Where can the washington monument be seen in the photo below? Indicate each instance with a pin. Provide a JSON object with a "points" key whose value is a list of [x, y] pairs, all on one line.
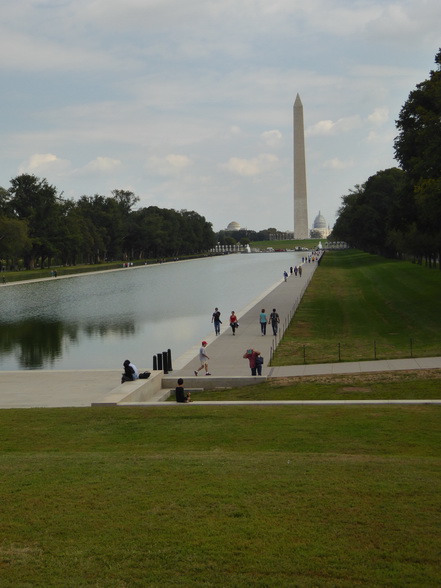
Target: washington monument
{"points": [[300, 198]]}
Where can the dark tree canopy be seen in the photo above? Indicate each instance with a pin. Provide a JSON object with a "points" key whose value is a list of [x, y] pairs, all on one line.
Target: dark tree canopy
{"points": [[418, 145], [39, 226]]}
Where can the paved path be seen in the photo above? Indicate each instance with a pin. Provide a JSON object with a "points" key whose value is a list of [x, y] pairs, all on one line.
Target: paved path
{"points": [[226, 351]]}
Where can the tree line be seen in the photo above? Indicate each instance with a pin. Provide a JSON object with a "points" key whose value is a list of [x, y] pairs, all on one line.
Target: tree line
{"points": [[397, 212], [38, 227]]}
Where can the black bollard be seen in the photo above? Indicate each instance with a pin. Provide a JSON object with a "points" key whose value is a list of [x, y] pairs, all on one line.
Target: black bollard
{"points": [[155, 363], [165, 362], [169, 360], [159, 361]]}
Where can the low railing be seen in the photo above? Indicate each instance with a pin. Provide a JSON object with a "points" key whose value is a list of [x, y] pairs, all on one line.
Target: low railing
{"points": [[363, 350], [285, 322]]}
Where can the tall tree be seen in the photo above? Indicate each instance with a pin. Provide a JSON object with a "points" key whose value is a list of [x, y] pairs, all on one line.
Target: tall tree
{"points": [[37, 202], [369, 214], [418, 150], [14, 240]]}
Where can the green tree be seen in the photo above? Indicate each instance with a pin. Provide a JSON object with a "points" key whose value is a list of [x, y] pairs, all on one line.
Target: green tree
{"points": [[369, 214], [418, 150], [418, 145], [37, 202], [4, 201], [14, 240]]}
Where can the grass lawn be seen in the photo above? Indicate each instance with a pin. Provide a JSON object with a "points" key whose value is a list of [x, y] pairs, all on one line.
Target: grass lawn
{"points": [[287, 244], [220, 496], [361, 307], [405, 385]]}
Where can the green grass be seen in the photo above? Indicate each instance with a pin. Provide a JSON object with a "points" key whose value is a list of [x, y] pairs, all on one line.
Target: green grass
{"points": [[421, 384], [217, 496], [287, 243], [361, 307]]}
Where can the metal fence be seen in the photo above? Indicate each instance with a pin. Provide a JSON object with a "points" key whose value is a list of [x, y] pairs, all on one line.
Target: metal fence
{"points": [[353, 350], [360, 350], [285, 322]]}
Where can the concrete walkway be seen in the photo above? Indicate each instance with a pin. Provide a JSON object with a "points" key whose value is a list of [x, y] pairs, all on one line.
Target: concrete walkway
{"points": [[51, 388], [226, 351]]}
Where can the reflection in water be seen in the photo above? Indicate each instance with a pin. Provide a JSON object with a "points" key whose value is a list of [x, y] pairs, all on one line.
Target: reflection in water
{"points": [[96, 321], [37, 343], [34, 342]]}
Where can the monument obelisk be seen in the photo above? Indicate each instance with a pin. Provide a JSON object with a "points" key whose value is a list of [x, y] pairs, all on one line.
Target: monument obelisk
{"points": [[300, 197]]}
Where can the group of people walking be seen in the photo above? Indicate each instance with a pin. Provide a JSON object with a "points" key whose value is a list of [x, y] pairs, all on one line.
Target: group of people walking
{"points": [[273, 320], [254, 357]]}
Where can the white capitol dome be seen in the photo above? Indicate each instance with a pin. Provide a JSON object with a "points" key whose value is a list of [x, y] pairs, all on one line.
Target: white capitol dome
{"points": [[319, 222], [320, 228], [233, 226]]}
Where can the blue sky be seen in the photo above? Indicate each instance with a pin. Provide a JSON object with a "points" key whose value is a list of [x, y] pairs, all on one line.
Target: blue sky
{"points": [[189, 104]]}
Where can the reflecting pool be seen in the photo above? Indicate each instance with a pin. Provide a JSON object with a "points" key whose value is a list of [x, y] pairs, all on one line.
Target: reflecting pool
{"points": [[97, 320]]}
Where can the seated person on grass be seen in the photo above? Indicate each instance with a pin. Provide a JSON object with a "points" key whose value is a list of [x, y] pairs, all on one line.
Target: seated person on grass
{"points": [[181, 395]]}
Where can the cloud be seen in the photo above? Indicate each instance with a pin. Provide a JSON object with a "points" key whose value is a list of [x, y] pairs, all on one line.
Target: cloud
{"points": [[272, 138], [39, 54], [385, 138], [337, 164], [170, 165], [252, 167], [406, 22], [102, 165], [42, 163], [379, 116], [329, 127], [234, 131]]}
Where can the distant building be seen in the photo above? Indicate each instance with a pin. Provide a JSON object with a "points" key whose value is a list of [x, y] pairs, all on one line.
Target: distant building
{"points": [[233, 226], [281, 236], [320, 229]]}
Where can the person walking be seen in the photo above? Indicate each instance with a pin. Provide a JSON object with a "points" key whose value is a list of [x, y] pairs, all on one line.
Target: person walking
{"points": [[233, 322], [285, 275], [263, 322], [256, 361], [216, 320], [203, 358], [274, 320]]}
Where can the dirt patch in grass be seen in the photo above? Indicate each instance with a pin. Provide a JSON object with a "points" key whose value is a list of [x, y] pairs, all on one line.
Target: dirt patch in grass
{"points": [[354, 389]]}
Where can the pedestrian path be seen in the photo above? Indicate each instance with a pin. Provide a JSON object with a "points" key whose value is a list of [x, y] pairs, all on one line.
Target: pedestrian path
{"points": [[226, 351]]}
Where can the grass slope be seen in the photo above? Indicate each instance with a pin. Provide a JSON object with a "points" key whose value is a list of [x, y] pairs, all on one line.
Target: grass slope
{"points": [[361, 307], [215, 496], [420, 384]]}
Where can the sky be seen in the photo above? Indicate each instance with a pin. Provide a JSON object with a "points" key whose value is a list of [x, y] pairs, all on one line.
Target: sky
{"points": [[189, 105]]}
